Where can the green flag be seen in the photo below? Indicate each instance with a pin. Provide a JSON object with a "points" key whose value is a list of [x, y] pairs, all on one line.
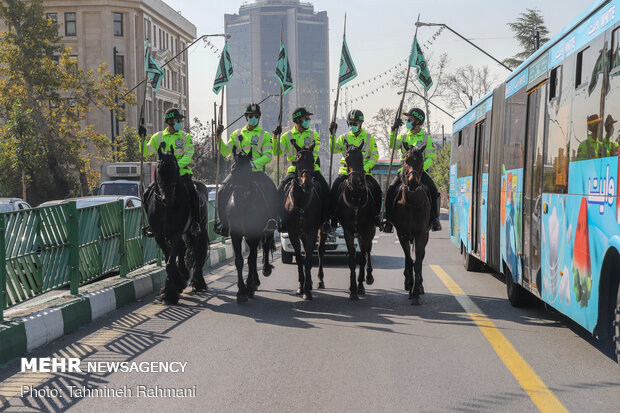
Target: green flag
{"points": [[154, 72], [283, 71], [417, 60], [224, 71], [347, 68]]}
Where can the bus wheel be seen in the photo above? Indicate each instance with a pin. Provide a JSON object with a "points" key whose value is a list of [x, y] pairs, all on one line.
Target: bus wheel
{"points": [[517, 295], [471, 263]]}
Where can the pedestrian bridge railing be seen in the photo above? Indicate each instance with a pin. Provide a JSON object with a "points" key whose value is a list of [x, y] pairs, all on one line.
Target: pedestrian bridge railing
{"points": [[51, 247]]}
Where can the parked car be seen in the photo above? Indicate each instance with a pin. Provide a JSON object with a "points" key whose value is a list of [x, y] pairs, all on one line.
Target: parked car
{"points": [[335, 244], [13, 204], [87, 201]]}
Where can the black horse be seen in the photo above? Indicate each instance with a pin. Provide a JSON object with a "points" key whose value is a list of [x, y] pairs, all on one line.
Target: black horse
{"points": [[247, 211], [303, 217], [168, 214], [355, 210], [411, 217]]}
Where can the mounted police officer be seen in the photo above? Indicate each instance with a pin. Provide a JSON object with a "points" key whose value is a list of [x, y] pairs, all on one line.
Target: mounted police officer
{"points": [[415, 135], [303, 136], [355, 136], [251, 138], [175, 138], [590, 147]]}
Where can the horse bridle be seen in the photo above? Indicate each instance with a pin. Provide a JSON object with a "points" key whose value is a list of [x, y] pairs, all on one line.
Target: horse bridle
{"points": [[349, 185]]}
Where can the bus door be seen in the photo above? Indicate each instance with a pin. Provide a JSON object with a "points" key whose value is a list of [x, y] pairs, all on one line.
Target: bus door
{"points": [[532, 184], [476, 192]]}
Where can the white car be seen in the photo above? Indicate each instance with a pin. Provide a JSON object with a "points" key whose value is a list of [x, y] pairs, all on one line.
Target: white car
{"points": [[335, 244], [13, 204], [86, 201]]}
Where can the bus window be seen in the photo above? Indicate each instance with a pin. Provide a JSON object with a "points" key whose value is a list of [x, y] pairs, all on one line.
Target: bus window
{"points": [[556, 156], [555, 82], [615, 50], [514, 130], [579, 68]]}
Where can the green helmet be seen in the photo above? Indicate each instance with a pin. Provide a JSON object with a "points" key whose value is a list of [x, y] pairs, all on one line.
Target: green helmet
{"points": [[355, 115], [416, 113]]}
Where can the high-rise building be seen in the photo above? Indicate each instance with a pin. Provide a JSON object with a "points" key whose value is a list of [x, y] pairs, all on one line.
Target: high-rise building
{"points": [[96, 29], [254, 46]]}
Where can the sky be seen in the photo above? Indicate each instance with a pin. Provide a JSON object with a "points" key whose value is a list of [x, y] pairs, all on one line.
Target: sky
{"points": [[379, 36]]}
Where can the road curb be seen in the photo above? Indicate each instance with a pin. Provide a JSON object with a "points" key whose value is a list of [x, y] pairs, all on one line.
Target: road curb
{"points": [[24, 334]]}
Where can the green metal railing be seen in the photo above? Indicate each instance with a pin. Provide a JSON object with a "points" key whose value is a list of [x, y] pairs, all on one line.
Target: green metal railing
{"points": [[42, 249]]}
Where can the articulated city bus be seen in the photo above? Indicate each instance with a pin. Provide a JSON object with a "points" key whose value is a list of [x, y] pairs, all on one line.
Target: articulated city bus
{"points": [[534, 175]]}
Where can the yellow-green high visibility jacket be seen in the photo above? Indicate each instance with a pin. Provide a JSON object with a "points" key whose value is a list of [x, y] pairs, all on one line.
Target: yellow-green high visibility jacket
{"points": [[412, 140], [304, 138], [588, 149], [180, 141], [257, 140], [609, 148], [370, 150]]}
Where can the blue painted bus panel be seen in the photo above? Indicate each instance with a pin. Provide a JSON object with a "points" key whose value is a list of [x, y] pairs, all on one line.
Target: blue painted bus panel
{"points": [[454, 207], [511, 221], [585, 33], [577, 232], [483, 217]]}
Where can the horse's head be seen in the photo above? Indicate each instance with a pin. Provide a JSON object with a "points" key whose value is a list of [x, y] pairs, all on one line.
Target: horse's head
{"points": [[413, 165], [242, 162], [304, 166], [354, 159], [167, 172]]}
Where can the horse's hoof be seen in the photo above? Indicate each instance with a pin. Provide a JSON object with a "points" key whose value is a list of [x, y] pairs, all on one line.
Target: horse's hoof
{"points": [[299, 292], [267, 270], [353, 297], [251, 293], [370, 279], [408, 285], [416, 300], [421, 289], [242, 299], [168, 299], [321, 285], [307, 296], [410, 295], [361, 290], [200, 289]]}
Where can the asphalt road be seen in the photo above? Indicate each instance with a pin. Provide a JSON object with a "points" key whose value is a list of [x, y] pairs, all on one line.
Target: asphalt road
{"points": [[464, 349]]}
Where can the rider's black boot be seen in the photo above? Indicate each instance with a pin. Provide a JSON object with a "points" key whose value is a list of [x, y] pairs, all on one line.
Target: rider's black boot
{"points": [[435, 224]]}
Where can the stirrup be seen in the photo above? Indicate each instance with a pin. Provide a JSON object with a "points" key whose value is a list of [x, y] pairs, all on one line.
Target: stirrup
{"points": [[195, 228], [220, 229], [146, 232], [327, 227]]}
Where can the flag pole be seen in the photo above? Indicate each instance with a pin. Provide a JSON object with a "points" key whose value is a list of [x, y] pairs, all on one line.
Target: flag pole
{"points": [[332, 137], [399, 112], [142, 133], [217, 153], [276, 143]]}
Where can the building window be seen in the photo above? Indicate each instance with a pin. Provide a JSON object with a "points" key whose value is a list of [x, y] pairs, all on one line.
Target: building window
{"points": [[70, 26], [52, 16], [118, 24], [119, 65]]}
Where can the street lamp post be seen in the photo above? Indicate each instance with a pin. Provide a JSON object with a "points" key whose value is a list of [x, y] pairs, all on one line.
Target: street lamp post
{"points": [[419, 24]]}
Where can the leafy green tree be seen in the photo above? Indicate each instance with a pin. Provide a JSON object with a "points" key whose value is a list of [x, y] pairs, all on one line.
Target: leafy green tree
{"points": [[525, 28], [128, 145], [44, 102]]}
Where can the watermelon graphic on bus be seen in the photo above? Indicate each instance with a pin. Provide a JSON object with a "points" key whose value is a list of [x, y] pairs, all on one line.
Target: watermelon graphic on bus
{"points": [[582, 269]]}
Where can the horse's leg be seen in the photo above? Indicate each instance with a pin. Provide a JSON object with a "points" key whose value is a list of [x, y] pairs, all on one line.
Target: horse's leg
{"points": [[420, 246], [163, 245], [183, 270], [252, 272], [267, 245], [404, 243], [199, 248], [350, 240], [242, 295], [322, 240], [363, 240], [171, 291], [369, 278], [309, 247], [299, 260]]}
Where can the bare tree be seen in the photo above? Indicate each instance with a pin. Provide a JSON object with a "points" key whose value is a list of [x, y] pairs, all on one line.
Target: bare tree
{"points": [[380, 126], [416, 94], [467, 85]]}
